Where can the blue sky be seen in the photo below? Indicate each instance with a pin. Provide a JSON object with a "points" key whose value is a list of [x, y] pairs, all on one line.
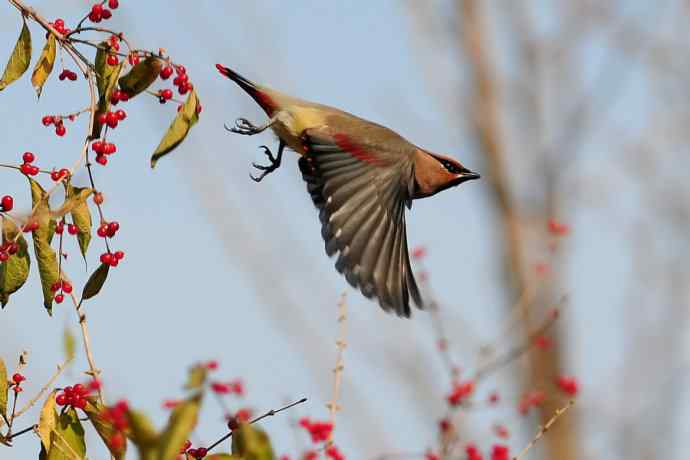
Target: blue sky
{"points": [[218, 267]]}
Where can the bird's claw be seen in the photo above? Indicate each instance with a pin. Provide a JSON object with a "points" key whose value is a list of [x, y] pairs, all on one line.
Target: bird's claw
{"points": [[265, 169], [244, 126]]}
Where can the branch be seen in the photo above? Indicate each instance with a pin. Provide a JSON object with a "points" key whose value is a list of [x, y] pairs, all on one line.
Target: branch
{"points": [[45, 388], [542, 431], [340, 344]]}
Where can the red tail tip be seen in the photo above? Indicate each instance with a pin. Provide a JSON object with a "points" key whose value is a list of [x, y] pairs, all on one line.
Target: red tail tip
{"points": [[223, 70]]}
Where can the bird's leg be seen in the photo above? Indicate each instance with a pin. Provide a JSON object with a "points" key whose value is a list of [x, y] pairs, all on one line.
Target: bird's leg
{"points": [[275, 162], [246, 127]]}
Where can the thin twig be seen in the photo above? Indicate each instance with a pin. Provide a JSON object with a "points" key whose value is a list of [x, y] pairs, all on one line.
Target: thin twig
{"points": [[21, 432], [340, 344], [270, 413], [45, 388], [542, 430]]}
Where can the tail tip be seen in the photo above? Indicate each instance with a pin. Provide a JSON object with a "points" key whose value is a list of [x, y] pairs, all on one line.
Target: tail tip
{"points": [[223, 70]]}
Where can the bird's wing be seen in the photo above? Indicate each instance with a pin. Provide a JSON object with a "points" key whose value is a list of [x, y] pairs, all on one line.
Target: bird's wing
{"points": [[361, 194]]}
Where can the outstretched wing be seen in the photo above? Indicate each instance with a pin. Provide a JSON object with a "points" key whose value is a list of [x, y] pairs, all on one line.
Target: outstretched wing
{"points": [[361, 193]]}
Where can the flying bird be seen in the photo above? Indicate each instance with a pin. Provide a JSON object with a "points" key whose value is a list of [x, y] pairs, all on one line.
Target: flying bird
{"points": [[360, 176]]}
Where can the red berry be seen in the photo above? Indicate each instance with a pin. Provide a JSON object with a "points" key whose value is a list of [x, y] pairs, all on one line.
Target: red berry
{"points": [[101, 160], [166, 72], [18, 378], [113, 227], [61, 399], [106, 13], [55, 175], [72, 76], [47, 120], [106, 258], [119, 255], [4, 257], [59, 227], [111, 119], [72, 229], [7, 203], [33, 170], [102, 118], [97, 8], [133, 59], [113, 4], [60, 130], [121, 114], [180, 69], [59, 298], [167, 94], [109, 148], [13, 248], [199, 108], [98, 198], [102, 230], [80, 403], [62, 75], [55, 286], [59, 23], [112, 59], [28, 157], [182, 89], [201, 452]]}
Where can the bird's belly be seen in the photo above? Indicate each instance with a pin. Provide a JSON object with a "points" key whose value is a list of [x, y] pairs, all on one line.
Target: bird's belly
{"points": [[291, 124]]}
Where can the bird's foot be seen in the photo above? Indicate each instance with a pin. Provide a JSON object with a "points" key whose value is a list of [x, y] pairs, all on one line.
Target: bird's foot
{"points": [[245, 127], [267, 169]]}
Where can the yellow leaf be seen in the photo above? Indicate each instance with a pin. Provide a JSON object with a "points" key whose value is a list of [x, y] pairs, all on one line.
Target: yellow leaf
{"points": [[45, 255], [251, 443], [3, 388], [47, 420], [141, 76], [180, 424], [15, 271], [106, 79], [19, 59], [44, 65], [186, 117]]}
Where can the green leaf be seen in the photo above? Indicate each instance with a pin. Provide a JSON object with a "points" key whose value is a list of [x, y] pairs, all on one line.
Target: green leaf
{"points": [[45, 255], [47, 421], [142, 432], [15, 271], [186, 117], [44, 65], [141, 76], [105, 429], [95, 283], [106, 79], [196, 377], [181, 423], [81, 215], [19, 59], [67, 439], [69, 344], [251, 443], [4, 388]]}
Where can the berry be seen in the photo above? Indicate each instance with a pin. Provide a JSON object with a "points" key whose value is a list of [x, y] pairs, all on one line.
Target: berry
{"points": [[18, 378], [167, 94], [166, 72], [59, 298], [106, 258], [4, 256], [60, 130], [106, 14], [101, 160], [7, 203], [28, 157], [97, 146], [199, 108], [72, 229], [61, 399], [102, 230], [112, 60], [47, 120], [102, 118], [13, 248], [33, 170], [113, 4], [133, 59], [109, 148], [113, 227], [233, 423], [121, 114], [180, 69], [55, 175], [55, 286], [98, 198], [119, 255], [567, 384], [59, 227]]}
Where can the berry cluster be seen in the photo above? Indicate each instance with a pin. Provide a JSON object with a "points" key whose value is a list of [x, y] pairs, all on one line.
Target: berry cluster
{"points": [[558, 228], [17, 379], [100, 13], [233, 387], [56, 120], [119, 96], [199, 452], [64, 286], [103, 148], [319, 431], [567, 384], [27, 167], [460, 391], [67, 74], [74, 396], [7, 249], [59, 26], [58, 175], [112, 119], [530, 399], [112, 258], [6, 203], [116, 415]]}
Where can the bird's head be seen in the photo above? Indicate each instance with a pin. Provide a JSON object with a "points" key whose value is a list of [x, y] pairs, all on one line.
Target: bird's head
{"points": [[435, 173]]}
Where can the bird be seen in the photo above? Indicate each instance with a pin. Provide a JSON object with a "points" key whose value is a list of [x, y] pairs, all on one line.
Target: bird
{"points": [[360, 176]]}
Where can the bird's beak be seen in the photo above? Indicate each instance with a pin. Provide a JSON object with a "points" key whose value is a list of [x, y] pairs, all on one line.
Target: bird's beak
{"points": [[469, 175]]}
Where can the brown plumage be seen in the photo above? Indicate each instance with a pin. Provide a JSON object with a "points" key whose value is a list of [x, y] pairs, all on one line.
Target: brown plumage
{"points": [[360, 176]]}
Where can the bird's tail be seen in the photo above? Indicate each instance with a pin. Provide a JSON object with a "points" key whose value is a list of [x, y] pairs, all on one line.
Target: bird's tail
{"points": [[257, 93]]}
